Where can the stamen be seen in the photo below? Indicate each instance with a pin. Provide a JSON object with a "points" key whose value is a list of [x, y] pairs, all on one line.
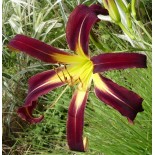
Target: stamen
{"points": [[68, 72], [78, 75], [65, 78], [55, 69], [71, 78], [81, 81], [73, 82]]}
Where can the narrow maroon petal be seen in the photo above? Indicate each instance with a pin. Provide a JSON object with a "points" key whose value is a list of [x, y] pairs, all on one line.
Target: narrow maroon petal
{"points": [[125, 101], [36, 48], [39, 79], [108, 61], [79, 25], [39, 84], [75, 121]]}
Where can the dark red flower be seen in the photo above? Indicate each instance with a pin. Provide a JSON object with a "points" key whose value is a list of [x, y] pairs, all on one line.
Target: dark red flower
{"points": [[79, 69]]}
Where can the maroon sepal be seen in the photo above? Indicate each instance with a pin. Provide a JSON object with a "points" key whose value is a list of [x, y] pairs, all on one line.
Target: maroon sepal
{"points": [[75, 121], [35, 48], [125, 101], [79, 25], [98, 9], [108, 61], [39, 84]]}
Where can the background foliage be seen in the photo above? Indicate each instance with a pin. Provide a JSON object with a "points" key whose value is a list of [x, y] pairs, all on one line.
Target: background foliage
{"points": [[109, 133]]}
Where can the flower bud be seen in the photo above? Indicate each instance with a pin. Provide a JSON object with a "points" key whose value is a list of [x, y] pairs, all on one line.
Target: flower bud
{"points": [[110, 5]]}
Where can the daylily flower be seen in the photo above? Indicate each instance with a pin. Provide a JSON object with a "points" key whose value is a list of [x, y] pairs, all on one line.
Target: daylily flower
{"points": [[79, 70], [111, 6]]}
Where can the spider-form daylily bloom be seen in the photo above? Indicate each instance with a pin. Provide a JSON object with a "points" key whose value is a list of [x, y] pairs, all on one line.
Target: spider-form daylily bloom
{"points": [[79, 70]]}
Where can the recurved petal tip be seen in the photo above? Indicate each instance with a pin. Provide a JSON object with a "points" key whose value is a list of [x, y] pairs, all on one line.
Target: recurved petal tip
{"points": [[39, 84], [26, 114], [75, 122], [124, 101]]}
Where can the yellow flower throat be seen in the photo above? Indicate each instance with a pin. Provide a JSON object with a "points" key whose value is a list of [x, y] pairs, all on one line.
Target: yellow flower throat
{"points": [[77, 73]]}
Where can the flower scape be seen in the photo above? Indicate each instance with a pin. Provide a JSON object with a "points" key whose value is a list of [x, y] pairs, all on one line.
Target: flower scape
{"points": [[79, 70]]}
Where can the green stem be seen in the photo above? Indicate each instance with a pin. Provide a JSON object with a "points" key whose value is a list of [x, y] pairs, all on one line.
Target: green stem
{"points": [[140, 24], [128, 19], [126, 31], [133, 10], [145, 42], [97, 43], [136, 38]]}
